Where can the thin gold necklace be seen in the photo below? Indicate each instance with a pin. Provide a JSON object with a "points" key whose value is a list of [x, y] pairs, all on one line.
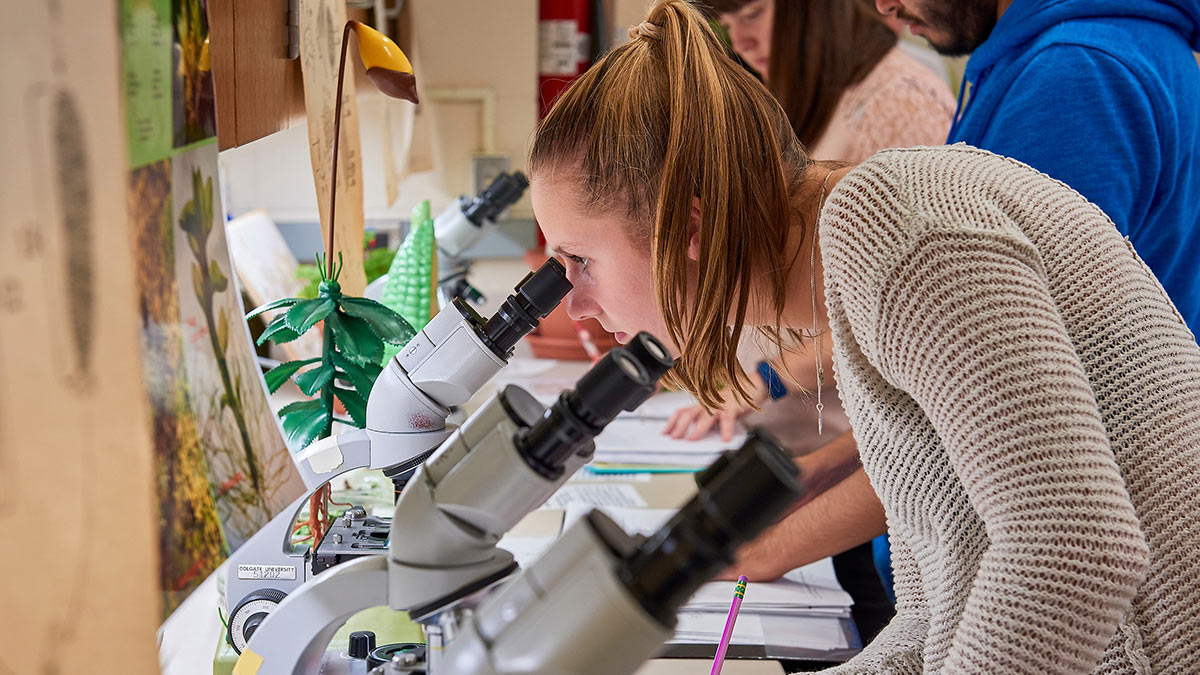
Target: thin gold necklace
{"points": [[812, 281]]}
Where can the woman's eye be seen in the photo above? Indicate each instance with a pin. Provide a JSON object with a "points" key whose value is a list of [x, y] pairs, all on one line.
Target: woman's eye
{"points": [[582, 262]]}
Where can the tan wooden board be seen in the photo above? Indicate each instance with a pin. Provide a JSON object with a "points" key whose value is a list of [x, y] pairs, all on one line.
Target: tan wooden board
{"points": [[75, 446]]}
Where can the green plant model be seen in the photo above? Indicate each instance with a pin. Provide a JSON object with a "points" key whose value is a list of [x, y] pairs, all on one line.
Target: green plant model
{"points": [[376, 261], [355, 330]]}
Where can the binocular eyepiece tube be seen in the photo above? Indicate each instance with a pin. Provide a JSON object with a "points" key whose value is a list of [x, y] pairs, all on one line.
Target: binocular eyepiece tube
{"points": [[621, 380]]}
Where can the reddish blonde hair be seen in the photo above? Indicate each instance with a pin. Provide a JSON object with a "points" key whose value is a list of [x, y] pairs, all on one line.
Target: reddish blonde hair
{"points": [[667, 119]]}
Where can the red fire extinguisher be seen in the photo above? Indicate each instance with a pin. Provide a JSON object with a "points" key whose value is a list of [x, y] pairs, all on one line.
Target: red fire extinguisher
{"points": [[564, 51], [564, 47]]}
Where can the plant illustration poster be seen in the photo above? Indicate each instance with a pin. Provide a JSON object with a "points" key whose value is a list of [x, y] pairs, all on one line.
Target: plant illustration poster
{"points": [[248, 463], [223, 469]]}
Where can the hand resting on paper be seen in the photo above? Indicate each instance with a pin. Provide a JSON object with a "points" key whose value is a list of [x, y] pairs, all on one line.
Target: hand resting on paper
{"points": [[694, 422]]}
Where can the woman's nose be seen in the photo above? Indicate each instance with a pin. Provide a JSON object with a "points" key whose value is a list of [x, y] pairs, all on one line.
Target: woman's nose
{"points": [[579, 305]]}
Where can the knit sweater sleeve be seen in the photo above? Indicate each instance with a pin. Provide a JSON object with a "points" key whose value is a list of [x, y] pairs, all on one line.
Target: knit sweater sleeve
{"points": [[966, 326], [955, 310]]}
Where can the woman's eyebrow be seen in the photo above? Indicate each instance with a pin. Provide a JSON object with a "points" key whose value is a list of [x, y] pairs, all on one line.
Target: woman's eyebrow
{"points": [[563, 249]]}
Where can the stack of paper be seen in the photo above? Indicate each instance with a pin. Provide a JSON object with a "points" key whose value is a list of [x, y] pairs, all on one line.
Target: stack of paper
{"points": [[811, 590], [639, 440], [806, 609]]}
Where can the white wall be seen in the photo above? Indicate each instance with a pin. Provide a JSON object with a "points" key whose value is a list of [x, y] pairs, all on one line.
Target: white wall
{"points": [[460, 43]]}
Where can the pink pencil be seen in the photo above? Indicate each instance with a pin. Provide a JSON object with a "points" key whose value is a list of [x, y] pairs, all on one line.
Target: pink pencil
{"points": [[739, 592], [585, 339]]}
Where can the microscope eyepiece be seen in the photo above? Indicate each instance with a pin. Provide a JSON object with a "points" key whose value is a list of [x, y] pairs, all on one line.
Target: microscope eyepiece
{"points": [[651, 353], [740, 495], [535, 297], [608, 387], [580, 414], [654, 357], [504, 191]]}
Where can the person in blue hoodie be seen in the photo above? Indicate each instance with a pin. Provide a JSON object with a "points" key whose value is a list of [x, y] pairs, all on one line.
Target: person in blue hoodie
{"points": [[1103, 95]]}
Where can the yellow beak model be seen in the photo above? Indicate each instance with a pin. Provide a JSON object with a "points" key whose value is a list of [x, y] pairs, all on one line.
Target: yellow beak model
{"points": [[387, 67]]}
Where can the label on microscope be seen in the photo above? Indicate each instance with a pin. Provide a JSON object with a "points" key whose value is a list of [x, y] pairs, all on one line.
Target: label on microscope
{"points": [[267, 572]]}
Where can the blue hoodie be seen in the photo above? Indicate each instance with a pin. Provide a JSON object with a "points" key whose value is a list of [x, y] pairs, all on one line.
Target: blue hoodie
{"points": [[1103, 95]]}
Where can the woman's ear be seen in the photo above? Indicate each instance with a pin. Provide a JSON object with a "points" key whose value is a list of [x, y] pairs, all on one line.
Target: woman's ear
{"points": [[693, 250]]}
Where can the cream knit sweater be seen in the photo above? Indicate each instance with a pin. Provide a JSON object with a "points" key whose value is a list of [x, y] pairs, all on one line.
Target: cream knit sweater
{"points": [[1026, 401]]}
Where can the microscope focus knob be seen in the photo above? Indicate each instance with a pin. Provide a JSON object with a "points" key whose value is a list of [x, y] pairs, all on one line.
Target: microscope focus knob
{"points": [[362, 643], [249, 615]]}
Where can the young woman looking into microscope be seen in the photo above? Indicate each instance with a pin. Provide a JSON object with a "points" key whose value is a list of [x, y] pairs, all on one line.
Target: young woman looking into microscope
{"points": [[1022, 392]]}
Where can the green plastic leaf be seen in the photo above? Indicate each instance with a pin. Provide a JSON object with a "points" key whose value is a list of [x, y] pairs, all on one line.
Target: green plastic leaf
{"points": [[303, 426], [355, 339], [355, 405], [278, 332], [360, 376], [276, 376], [305, 314], [387, 324], [217, 277], [311, 381], [282, 302], [374, 370], [311, 404]]}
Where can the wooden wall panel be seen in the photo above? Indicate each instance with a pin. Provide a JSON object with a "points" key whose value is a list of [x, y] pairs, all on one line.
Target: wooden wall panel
{"points": [[258, 89]]}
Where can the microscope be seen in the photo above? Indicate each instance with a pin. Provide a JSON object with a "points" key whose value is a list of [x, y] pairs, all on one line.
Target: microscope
{"points": [[502, 463], [445, 364], [600, 602], [462, 224]]}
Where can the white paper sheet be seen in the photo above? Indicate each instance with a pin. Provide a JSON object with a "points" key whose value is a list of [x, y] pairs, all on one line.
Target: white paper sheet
{"points": [[818, 633], [708, 627], [811, 586], [632, 520], [596, 494], [526, 550], [629, 440], [661, 406]]}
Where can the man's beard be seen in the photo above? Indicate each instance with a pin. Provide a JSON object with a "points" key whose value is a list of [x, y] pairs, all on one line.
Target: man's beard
{"points": [[961, 25]]}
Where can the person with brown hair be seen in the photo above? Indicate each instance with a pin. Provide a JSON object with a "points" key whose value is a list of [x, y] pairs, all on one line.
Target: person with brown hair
{"points": [[849, 91], [1024, 396], [837, 69]]}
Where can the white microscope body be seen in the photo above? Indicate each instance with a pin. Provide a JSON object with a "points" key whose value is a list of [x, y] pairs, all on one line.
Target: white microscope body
{"points": [[462, 224], [504, 462], [600, 602], [445, 364]]}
